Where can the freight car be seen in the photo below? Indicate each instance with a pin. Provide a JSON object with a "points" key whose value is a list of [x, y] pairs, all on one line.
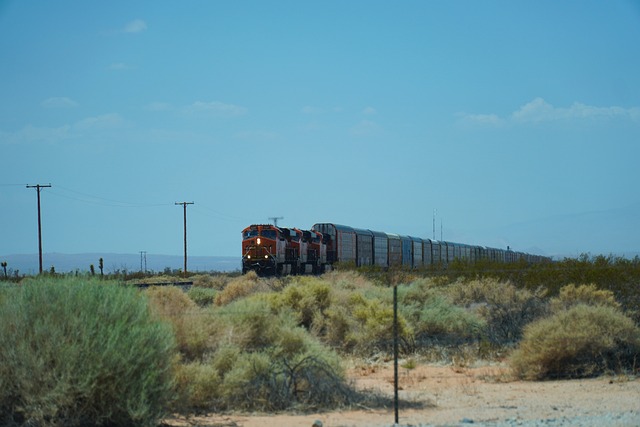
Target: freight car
{"points": [[271, 250]]}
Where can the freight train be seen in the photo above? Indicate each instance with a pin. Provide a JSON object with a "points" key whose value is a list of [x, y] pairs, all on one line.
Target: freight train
{"points": [[269, 250]]}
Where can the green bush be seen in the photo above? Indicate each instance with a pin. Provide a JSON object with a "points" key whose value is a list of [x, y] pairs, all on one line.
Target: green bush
{"points": [[308, 298], [264, 361], [580, 342], [372, 329], [202, 296], [437, 319], [81, 352], [505, 308]]}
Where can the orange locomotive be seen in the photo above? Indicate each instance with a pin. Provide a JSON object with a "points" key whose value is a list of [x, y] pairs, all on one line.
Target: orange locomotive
{"points": [[269, 250]]}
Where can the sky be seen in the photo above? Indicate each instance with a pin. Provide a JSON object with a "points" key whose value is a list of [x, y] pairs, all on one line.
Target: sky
{"points": [[496, 123]]}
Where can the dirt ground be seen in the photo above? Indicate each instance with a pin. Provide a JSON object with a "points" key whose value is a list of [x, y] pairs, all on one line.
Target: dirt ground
{"points": [[448, 395]]}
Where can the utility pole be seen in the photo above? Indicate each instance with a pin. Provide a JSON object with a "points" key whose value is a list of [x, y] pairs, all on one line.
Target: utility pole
{"points": [[38, 187], [143, 255], [184, 206], [434, 224], [275, 219]]}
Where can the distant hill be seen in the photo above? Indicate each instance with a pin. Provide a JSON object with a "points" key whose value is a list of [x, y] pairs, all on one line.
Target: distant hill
{"points": [[28, 263]]}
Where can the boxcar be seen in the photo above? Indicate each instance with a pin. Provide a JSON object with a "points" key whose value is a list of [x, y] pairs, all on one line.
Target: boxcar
{"points": [[427, 249], [407, 257], [417, 259], [342, 242], [395, 250], [364, 247], [380, 249]]}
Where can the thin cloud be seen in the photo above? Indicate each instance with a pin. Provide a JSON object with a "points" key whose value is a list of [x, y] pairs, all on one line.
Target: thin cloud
{"points": [[540, 111], [105, 121], [87, 127], [33, 134], [135, 26], [215, 108], [365, 128], [59, 102], [369, 111]]}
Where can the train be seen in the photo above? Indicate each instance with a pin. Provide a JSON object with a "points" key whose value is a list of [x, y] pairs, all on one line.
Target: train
{"points": [[276, 251]]}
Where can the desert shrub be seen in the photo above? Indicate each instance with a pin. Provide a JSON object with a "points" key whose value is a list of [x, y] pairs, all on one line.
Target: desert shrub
{"points": [[218, 281], [308, 298], [571, 295], [264, 361], [505, 308], [240, 287], [198, 387], [81, 352], [260, 381], [349, 279], [345, 316], [191, 327], [372, 329], [438, 319], [579, 342], [202, 296]]}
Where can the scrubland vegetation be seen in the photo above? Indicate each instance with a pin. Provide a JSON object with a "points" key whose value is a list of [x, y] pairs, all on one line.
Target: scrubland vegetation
{"points": [[78, 350]]}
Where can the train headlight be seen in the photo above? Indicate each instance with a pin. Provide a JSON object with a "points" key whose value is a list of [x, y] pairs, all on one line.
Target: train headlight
{"points": [[266, 256], [258, 240], [248, 256]]}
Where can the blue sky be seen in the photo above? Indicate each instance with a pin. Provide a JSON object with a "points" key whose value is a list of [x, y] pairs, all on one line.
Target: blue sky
{"points": [[517, 122]]}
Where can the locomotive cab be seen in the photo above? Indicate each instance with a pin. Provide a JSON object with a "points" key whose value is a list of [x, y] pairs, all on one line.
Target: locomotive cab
{"points": [[263, 249]]}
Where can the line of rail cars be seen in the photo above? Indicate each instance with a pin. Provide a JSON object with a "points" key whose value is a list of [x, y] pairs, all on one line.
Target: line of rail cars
{"points": [[271, 250]]}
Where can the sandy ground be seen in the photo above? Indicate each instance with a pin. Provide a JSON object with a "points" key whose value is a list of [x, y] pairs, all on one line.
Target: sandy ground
{"points": [[447, 395]]}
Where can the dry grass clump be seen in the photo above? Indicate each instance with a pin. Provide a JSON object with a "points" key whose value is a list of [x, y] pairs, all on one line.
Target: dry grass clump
{"points": [[197, 385], [193, 333], [579, 342], [218, 281], [571, 295], [240, 287], [348, 279]]}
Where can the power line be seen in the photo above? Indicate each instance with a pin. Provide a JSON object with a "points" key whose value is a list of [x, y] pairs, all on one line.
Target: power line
{"points": [[102, 201], [39, 187]]}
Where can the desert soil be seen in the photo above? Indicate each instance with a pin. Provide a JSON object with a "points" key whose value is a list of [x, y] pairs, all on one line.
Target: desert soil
{"points": [[448, 395]]}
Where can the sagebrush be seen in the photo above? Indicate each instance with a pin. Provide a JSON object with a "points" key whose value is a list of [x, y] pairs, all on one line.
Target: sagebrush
{"points": [[78, 352]]}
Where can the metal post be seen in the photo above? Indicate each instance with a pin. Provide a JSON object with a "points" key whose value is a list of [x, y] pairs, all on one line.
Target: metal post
{"points": [[395, 351]]}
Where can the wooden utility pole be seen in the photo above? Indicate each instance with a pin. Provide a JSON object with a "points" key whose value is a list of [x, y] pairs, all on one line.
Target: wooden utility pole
{"points": [[275, 219], [184, 205], [38, 187]]}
